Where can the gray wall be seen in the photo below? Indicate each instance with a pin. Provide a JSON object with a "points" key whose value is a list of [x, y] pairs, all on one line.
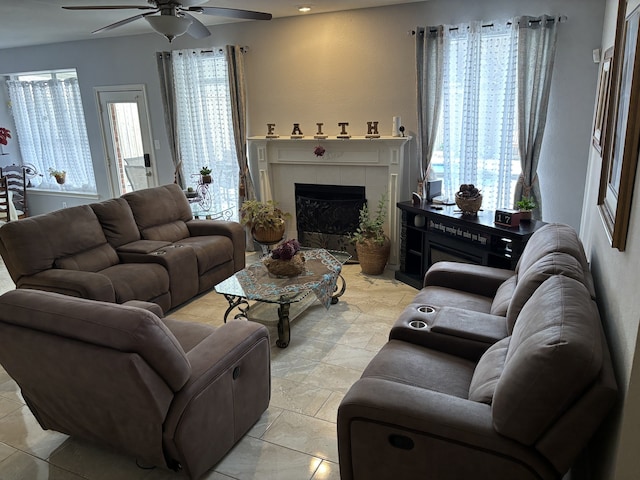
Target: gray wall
{"points": [[351, 66], [616, 275]]}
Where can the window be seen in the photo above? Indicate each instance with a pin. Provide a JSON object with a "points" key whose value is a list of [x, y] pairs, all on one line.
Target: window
{"points": [[204, 123], [477, 138], [50, 127]]}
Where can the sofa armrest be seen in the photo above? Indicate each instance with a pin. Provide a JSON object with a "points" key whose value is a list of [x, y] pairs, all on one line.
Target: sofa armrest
{"points": [[75, 283], [438, 427], [213, 357], [233, 230], [457, 331], [471, 278]]}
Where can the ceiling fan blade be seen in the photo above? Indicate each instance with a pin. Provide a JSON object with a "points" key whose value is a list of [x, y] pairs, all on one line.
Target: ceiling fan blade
{"points": [[122, 22], [111, 7], [197, 29], [231, 12]]}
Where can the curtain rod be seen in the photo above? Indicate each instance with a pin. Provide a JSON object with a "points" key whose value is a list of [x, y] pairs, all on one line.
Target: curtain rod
{"points": [[244, 49], [560, 19]]}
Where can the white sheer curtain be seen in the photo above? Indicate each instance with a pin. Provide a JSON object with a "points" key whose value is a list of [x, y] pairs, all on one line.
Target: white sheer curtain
{"points": [[204, 123], [478, 124], [51, 131]]}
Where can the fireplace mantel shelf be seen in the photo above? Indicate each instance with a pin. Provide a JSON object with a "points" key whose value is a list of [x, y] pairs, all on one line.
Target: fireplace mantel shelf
{"points": [[310, 138]]}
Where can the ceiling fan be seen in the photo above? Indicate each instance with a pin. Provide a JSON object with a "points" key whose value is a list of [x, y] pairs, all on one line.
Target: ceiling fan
{"points": [[174, 17]]}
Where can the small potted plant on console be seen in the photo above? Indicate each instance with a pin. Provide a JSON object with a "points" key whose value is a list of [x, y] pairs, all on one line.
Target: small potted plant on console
{"points": [[59, 175], [526, 205]]}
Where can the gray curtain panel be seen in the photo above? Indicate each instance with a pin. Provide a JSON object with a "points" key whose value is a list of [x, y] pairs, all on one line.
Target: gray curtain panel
{"points": [[429, 62], [237, 92], [165, 72], [536, 51]]}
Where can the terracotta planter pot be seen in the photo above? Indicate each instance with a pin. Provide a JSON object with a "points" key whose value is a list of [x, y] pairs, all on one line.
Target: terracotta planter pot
{"points": [[525, 215], [61, 179], [373, 258], [269, 234], [206, 178]]}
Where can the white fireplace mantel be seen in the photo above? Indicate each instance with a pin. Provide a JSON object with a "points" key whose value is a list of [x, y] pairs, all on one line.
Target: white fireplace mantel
{"points": [[375, 163]]}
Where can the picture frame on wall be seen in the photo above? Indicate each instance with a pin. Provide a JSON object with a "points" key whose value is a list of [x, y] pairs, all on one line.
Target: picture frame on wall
{"points": [[602, 107], [620, 156]]}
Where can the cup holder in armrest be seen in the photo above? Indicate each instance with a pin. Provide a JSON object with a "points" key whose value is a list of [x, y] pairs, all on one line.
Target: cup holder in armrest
{"points": [[418, 324], [426, 309]]}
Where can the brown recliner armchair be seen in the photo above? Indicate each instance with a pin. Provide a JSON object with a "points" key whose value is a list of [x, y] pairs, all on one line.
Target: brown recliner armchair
{"points": [[172, 393]]}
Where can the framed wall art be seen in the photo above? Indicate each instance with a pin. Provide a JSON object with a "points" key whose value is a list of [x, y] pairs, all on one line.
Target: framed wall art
{"points": [[620, 156]]}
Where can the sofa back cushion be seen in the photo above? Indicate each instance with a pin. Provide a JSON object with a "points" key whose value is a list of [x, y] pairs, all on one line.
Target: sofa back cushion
{"points": [[117, 221], [160, 212], [555, 237], [526, 283], [554, 355], [121, 328], [488, 372], [39, 243]]}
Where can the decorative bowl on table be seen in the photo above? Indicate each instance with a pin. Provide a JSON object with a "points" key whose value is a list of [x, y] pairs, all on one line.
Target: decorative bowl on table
{"points": [[285, 260], [468, 199]]}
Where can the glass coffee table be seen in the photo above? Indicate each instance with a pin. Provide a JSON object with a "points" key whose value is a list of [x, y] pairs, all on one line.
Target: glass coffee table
{"points": [[321, 278]]}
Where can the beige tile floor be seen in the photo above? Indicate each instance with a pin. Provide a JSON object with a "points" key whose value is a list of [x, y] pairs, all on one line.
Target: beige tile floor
{"points": [[296, 437]]}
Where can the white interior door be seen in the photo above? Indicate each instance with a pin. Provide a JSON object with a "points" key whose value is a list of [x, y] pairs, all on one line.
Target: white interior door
{"points": [[127, 138]]}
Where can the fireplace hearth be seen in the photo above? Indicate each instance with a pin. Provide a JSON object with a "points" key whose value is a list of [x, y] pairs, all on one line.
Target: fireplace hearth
{"points": [[326, 215]]}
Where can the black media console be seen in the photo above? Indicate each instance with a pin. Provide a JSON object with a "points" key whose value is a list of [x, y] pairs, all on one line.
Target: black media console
{"points": [[429, 235]]}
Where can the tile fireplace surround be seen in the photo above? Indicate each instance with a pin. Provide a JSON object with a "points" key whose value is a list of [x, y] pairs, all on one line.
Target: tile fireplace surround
{"points": [[375, 163]]}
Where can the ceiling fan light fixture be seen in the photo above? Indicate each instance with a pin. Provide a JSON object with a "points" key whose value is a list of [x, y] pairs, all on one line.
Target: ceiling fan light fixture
{"points": [[168, 25]]}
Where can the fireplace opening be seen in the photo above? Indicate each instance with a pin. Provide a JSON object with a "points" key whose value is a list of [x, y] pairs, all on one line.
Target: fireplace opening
{"points": [[327, 214]]}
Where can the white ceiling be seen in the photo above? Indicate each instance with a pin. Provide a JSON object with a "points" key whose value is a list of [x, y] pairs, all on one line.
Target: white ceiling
{"points": [[36, 22]]}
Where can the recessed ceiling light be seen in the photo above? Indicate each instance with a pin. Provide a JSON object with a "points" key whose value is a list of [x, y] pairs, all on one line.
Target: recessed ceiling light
{"points": [[304, 8]]}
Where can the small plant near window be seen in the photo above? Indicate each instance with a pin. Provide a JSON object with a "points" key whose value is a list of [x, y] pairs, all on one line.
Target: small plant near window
{"points": [[205, 174], [5, 135], [526, 204], [59, 175]]}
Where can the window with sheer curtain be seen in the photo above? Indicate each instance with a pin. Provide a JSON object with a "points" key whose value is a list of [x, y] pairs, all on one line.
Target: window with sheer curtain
{"points": [[50, 128], [204, 123], [477, 140]]}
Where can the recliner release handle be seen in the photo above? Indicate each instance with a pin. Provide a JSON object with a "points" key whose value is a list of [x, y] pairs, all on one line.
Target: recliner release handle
{"points": [[401, 441]]}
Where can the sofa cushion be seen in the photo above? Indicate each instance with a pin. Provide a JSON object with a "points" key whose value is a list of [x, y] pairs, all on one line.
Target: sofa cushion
{"points": [[138, 281], [153, 208], [555, 237], [211, 251], [93, 260], [414, 365], [555, 263], [36, 242], [555, 353], [501, 301], [488, 371], [117, 221]]}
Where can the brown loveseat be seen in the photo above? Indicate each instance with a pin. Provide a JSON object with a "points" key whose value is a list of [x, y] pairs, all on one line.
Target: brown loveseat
{"points": [[170, 393], [461, 391], [142, 246]]}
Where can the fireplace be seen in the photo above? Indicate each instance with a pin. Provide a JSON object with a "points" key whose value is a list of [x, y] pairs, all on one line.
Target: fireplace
{"points": [[326, 215], [277, 164]]}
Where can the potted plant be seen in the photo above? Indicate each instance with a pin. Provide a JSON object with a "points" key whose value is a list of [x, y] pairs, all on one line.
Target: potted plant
{"points": [[372, 244], [205, 174], [526, 205], [265, 219], [59, 175]]}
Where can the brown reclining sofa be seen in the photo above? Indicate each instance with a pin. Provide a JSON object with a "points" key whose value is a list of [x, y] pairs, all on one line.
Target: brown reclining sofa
{"points": [[489, 374], [142, 246]]}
